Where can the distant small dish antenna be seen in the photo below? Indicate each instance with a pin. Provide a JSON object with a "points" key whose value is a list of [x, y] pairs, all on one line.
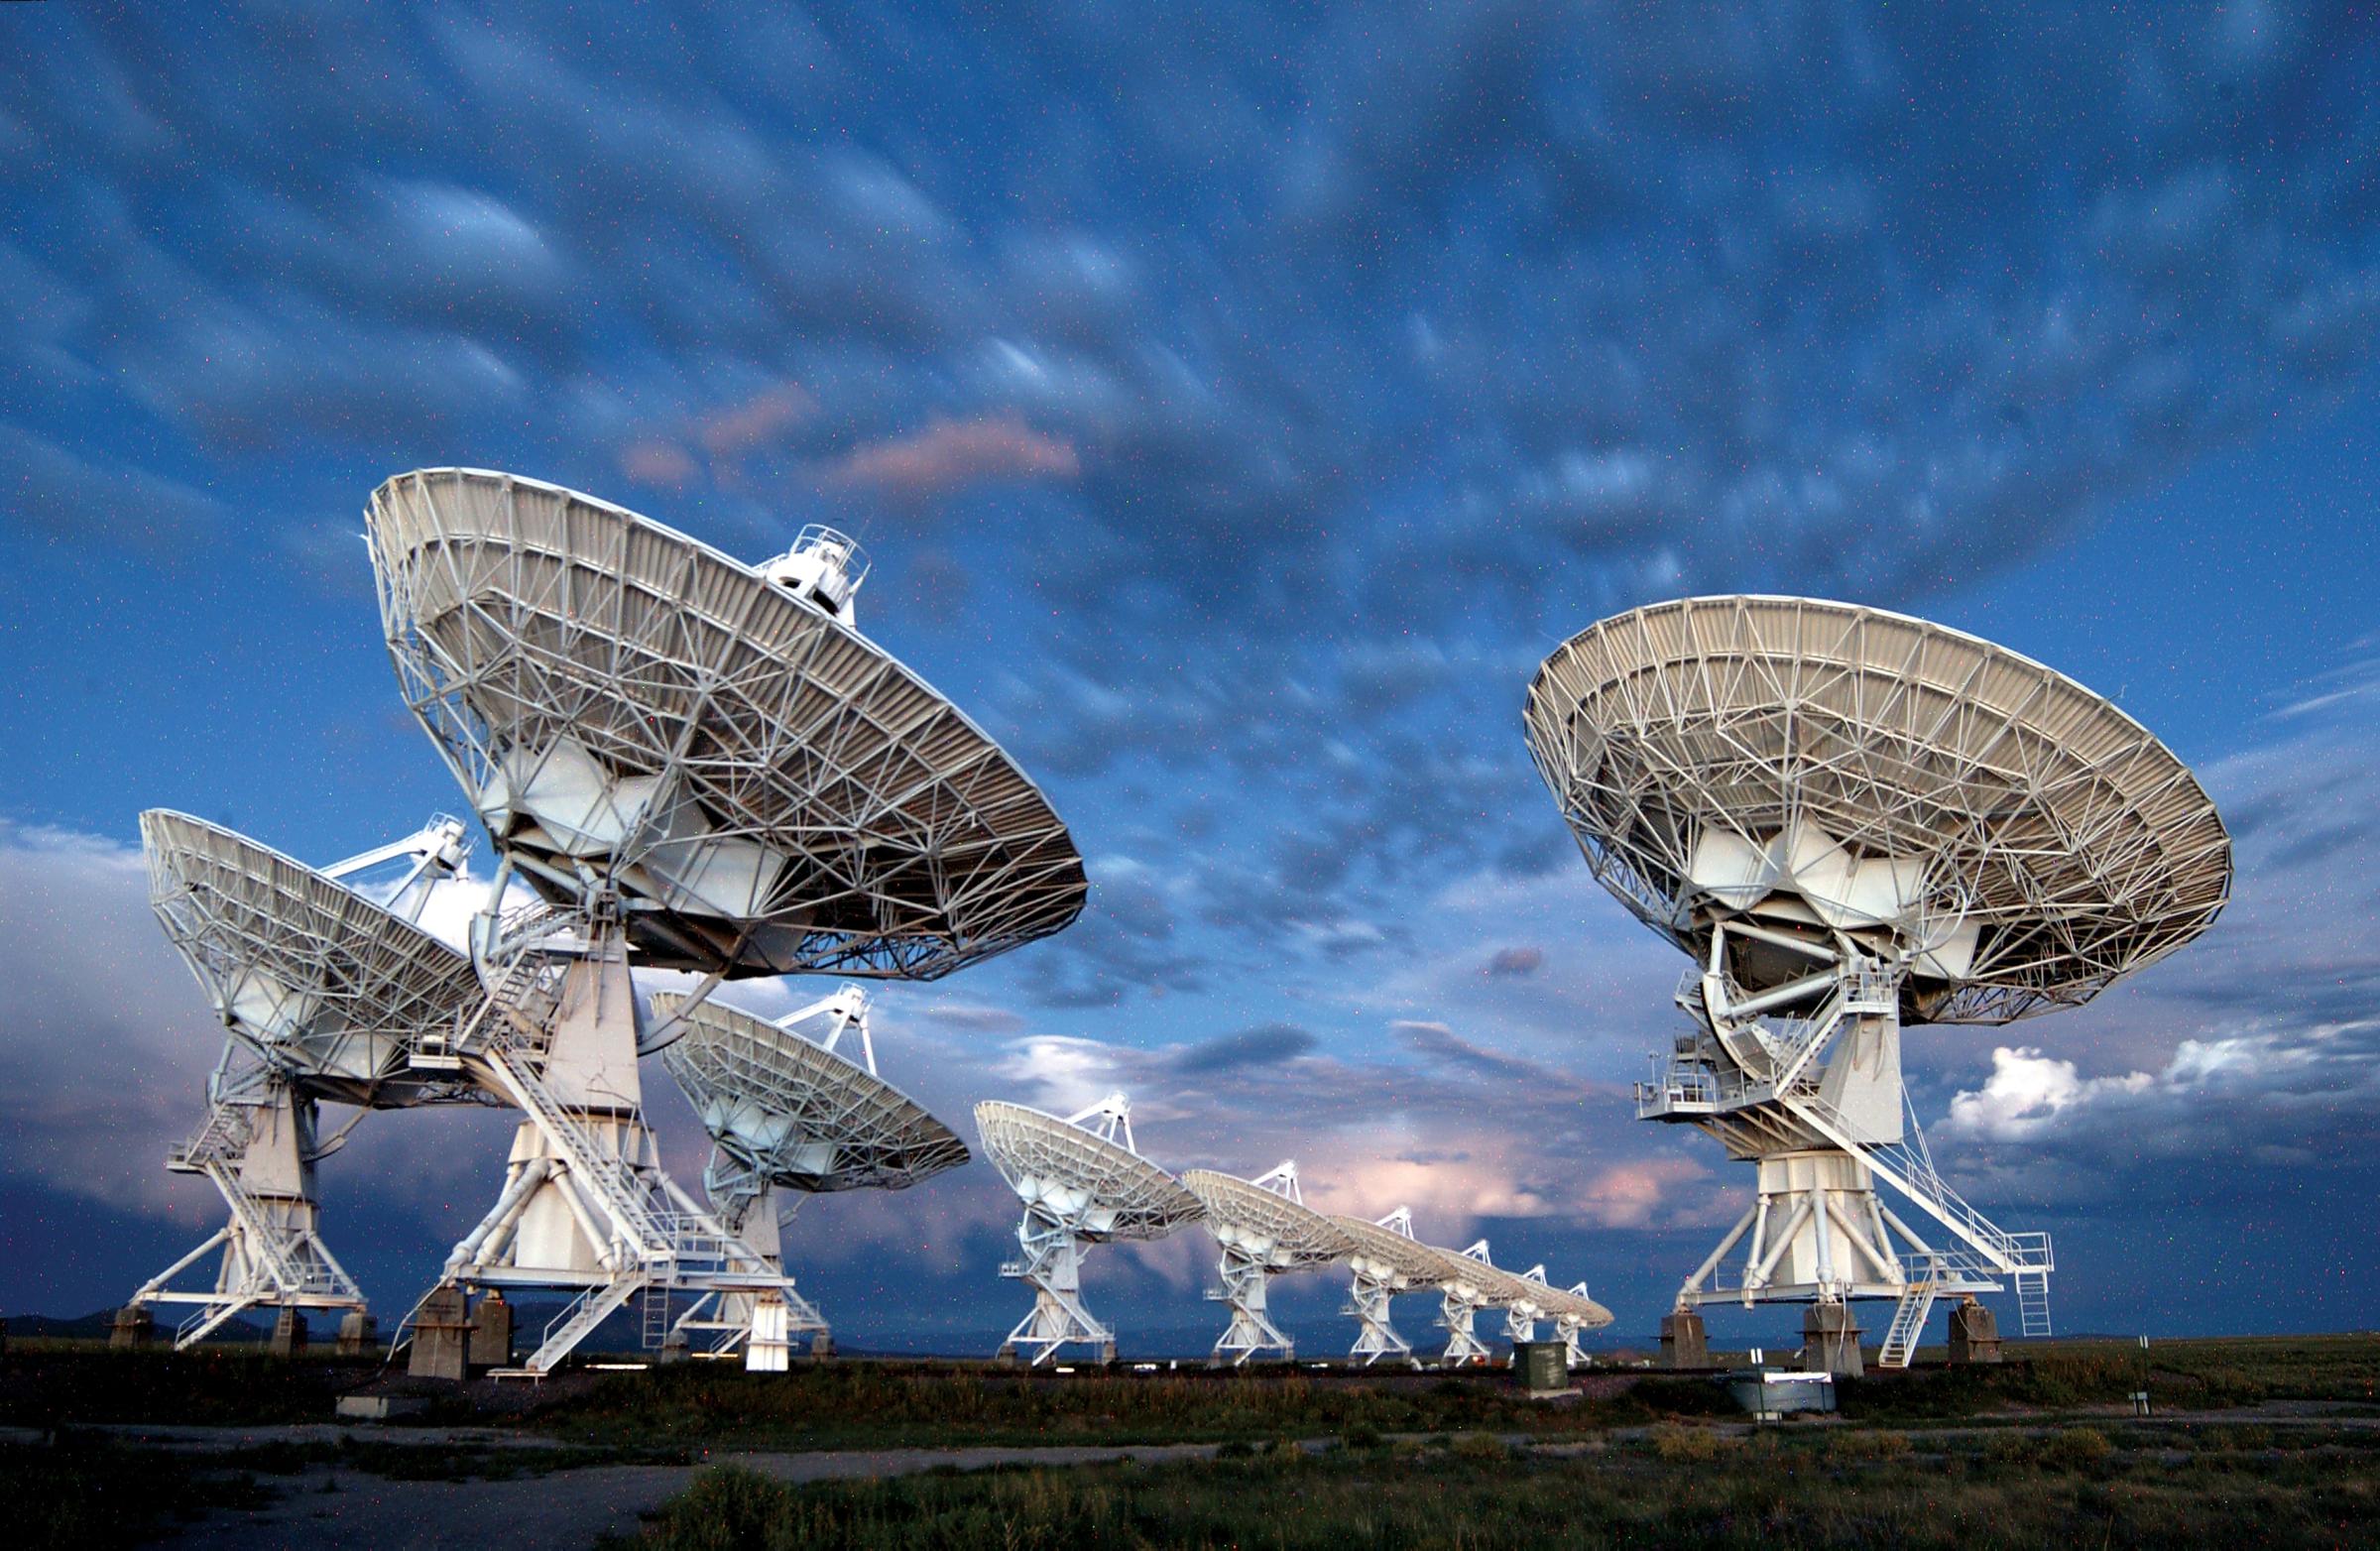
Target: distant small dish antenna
{"points": [[1854, 821], [790, 1114], [1083, 1182], [1383, 1260], [1263, 1228]]}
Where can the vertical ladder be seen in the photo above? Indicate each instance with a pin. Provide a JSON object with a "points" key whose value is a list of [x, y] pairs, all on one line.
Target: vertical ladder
{"points": [[1908, 1323], [656, 1310], [2033, 1302]]}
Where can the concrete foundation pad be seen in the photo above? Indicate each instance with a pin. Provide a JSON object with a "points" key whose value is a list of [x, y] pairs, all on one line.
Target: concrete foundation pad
{"points": [[379, 1408]]}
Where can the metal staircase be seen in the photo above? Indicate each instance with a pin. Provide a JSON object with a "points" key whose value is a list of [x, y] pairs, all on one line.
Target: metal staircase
{"points": [[1909, 1168], [575, 1323], [1908, 1321]]}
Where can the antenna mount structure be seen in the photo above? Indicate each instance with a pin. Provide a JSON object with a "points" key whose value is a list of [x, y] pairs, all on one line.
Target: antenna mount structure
{"points": [[323, 980], [1383, 1260], [790, 1114], [692, 764], [1262, 1227], [1854, 822], [1083, 1181]]}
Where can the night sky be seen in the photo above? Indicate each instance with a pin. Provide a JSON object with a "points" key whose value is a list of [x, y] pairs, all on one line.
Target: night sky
{"points": [[1239, 402]]}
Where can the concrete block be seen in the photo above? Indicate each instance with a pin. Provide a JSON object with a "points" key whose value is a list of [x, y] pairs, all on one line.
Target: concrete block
{"points": [[1683, 1343], [492, 1333], [1974, 1334], [359, 1333], [1830, 1340], [441, 1336], [289, 1334]]}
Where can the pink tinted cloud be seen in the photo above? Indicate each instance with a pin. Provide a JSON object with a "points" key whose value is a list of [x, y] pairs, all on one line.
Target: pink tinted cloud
{"points": [[662, 464], [762, 418], [950, 454]]}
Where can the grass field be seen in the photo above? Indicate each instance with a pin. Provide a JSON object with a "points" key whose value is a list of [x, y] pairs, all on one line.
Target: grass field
{"points": [[2309, 1487], [1999, 1455]]}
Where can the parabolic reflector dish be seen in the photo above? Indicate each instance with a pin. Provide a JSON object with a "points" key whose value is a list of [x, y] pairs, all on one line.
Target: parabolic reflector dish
{"points": [[801, 1115], [1402, 1259], [769, 792], [1480, 1281], [1108, 1190], [1819, 768], [1265, 1226], [324, 985], [1562, 1303]]}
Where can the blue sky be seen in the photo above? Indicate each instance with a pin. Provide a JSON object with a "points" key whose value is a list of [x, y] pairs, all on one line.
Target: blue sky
{"points": [[1238, 400]]}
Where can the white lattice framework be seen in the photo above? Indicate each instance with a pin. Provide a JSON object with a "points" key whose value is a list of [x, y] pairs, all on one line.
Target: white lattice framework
{"points": [[1262, 1229], [789, 1113], [704, 766], [774, 792], [1083, 1182], [2028, 812], [329, 986], [323, 992], [1852, 821], [1383, 1260]]}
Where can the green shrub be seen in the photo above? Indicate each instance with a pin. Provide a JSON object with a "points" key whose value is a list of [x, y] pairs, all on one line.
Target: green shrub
{"points": [[2071, 1448], [1481, 1445], [1675, 1443], [1868, 1445]]}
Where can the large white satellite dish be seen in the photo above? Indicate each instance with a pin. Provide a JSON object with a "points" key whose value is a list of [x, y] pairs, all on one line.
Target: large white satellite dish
{"points": [[763, 789], [325, 984], [698, 764], [1083, 1181], [1852, 821], [788, 1112], [1263, 1228]]}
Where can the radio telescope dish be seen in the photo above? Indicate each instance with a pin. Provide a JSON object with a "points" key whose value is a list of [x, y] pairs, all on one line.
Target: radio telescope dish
{"points": [[788, 1111], [1083, 1181], [702, 764], [2013, 837], [328, 987], [1852, 821], [1384, 1260], [799, 1114], [1263, 1228], [768, 791], [325, 984]]}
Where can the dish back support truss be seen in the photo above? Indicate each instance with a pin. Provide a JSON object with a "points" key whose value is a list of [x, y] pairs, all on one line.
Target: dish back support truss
{"points": [[325, 975], [764, 789]]}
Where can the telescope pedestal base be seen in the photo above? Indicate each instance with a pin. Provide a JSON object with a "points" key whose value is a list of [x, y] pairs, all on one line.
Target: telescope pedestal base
{"points": [[1683, 1343], [1830, 1340], [1974, 1334]]}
